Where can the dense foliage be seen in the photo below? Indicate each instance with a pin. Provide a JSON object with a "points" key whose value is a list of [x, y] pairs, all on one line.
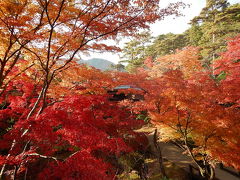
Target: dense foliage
{"points": [[57, 119], [196, 107]]}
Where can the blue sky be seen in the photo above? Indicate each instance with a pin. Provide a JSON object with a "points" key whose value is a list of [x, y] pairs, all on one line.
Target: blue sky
{"points": [[169, 24]]}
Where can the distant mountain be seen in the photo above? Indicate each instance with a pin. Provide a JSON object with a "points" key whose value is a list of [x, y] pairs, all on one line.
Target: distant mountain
{"points": [[98, 63]]}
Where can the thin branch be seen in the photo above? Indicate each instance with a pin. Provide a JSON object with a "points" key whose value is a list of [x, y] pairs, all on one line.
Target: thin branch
{"points": [[59, 12], [42, 156], [12, 65]]}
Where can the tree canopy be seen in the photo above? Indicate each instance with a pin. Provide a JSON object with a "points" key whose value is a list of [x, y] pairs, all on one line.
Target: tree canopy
{"points": [[58, 119]]}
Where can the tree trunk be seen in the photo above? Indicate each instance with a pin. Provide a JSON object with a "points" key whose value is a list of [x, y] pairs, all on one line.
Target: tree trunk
{"points": [[159, 153]]}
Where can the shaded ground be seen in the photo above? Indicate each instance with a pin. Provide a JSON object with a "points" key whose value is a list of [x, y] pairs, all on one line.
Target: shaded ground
{"points": [[175, 155], [173, 172]]}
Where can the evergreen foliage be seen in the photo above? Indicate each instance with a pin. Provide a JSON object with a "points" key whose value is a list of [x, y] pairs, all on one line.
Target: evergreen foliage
{"points": [[210, 30]]}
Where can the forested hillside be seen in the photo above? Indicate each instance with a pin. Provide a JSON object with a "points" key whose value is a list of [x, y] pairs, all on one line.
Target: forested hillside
{"points": [[98, 63]]}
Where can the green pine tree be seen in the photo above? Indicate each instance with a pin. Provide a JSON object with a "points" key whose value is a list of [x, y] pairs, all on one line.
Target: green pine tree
{"points": [[217, 22]]}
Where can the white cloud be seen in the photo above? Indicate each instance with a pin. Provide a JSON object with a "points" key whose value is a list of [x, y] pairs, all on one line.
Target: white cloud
{"points": [[178, 24]]}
